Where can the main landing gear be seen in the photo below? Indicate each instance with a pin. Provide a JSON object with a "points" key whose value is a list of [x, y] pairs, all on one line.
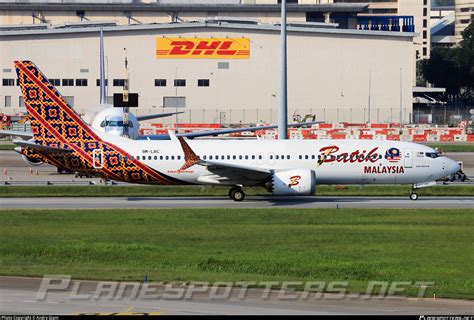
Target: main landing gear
{"points": [[413, 195], [237, 193]]}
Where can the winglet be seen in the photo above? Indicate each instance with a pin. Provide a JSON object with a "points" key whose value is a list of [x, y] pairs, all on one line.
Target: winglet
{"points": [[172, 135], [190, 157]]}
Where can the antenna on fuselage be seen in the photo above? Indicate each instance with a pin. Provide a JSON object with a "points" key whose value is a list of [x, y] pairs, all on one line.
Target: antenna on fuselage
{"points": [[103, 87]]}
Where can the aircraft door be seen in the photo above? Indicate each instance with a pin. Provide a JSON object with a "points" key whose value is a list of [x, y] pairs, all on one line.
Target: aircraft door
{"points": [[98, 158], [408, 158]]}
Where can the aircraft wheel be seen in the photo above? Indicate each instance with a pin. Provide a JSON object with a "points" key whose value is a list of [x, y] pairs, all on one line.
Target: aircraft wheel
{"points": [[413, 196], [237, 194]]}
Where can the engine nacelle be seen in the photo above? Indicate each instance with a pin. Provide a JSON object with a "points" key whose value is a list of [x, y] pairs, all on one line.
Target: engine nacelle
{"points": [[296, 182], [32, 161]]}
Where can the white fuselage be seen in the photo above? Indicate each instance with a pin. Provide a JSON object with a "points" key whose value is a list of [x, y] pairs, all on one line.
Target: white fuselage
{"points": [[345, 161]]}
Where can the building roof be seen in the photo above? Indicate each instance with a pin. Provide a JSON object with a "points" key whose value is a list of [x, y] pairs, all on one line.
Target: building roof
{"points": [[189, 7], [210, 24]]}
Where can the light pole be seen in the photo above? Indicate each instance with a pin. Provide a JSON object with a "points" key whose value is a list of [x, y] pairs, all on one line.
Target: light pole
{"points": [[283, 119]]}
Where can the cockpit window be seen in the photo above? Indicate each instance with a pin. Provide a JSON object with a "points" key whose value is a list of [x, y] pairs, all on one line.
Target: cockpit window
{"points": [[432, 154], [114, 123]]}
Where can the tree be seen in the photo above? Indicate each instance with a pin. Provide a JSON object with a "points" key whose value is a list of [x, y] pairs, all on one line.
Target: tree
{"points": [[453, 68], [443, 70]]}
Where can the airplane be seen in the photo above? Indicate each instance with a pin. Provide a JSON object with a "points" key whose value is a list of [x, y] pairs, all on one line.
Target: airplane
{"points": [[283, 167]]}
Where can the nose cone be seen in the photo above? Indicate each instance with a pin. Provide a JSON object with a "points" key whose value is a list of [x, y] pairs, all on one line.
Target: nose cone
{"points": [[453, 166]]}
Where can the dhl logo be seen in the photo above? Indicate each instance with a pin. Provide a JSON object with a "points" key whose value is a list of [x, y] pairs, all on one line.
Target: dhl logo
{"points": [[203, 48]]}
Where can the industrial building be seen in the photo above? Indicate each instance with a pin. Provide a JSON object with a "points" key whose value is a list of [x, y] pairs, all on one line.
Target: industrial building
{"points": [[337, 74], [464, 11], [363, 14]]}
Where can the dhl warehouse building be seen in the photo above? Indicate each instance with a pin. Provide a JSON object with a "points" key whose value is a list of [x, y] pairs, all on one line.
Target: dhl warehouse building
{"points": [[221, 70]]}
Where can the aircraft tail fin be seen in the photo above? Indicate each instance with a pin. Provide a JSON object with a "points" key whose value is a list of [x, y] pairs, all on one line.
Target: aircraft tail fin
{"points": [[53, 121]]}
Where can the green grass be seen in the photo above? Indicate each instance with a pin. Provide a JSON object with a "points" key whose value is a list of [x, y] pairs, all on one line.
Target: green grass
{"points": [[168, 191], [452, 147], [8, 146], [354, 245]]}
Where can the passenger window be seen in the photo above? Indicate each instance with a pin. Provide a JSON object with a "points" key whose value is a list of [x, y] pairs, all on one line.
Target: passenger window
{"points": [[138, 157], [179, 157], [167, 157], [204, 157], [222, 157], [277, 157], [161, 157], [300, 157], [313, 157], [260, 157], [240, 157], [228, 157], [288, 157], [271, 157], [234, 157], [253, 157], [306, 157], [210, 157], [149, 157], [246, 157], [172, 157]]}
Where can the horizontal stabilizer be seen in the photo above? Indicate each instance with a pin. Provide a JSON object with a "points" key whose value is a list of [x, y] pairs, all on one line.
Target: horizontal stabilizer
{"points": [[39, 147], [13, 133]]}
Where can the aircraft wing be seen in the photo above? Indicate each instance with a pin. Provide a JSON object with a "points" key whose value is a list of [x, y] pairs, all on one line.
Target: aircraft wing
{"points": [[223, 172], [13, 133], [214, 133], [40, 148], [157, 115]]}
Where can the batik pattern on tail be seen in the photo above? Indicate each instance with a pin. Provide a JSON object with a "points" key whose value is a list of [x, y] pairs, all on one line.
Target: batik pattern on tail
{"points": [[54, 123]]}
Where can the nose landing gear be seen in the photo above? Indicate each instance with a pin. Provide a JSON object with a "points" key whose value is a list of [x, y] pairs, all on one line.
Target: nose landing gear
{"points": [[237, 193], [413, 195]]}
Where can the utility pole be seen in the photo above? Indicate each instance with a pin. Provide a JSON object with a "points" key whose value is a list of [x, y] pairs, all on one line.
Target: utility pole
{"points": [[401, 103], [103, 88], [370, 85], [283, 119]]}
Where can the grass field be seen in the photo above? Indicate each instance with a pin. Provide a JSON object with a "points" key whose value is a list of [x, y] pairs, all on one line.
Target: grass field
{"points": [[452, 147], [7, 146], [190, 191], [353, 245]]}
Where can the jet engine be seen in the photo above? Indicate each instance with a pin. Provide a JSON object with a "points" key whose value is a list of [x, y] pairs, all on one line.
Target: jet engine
{"points": [[32, 161], [292, 183]]}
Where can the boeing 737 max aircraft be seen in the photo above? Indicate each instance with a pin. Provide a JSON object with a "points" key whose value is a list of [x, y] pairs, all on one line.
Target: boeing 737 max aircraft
{"points": [[284, 167]]}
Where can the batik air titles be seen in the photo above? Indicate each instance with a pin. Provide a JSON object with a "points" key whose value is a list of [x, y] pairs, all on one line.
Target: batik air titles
{"points": [[283, 167]]}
